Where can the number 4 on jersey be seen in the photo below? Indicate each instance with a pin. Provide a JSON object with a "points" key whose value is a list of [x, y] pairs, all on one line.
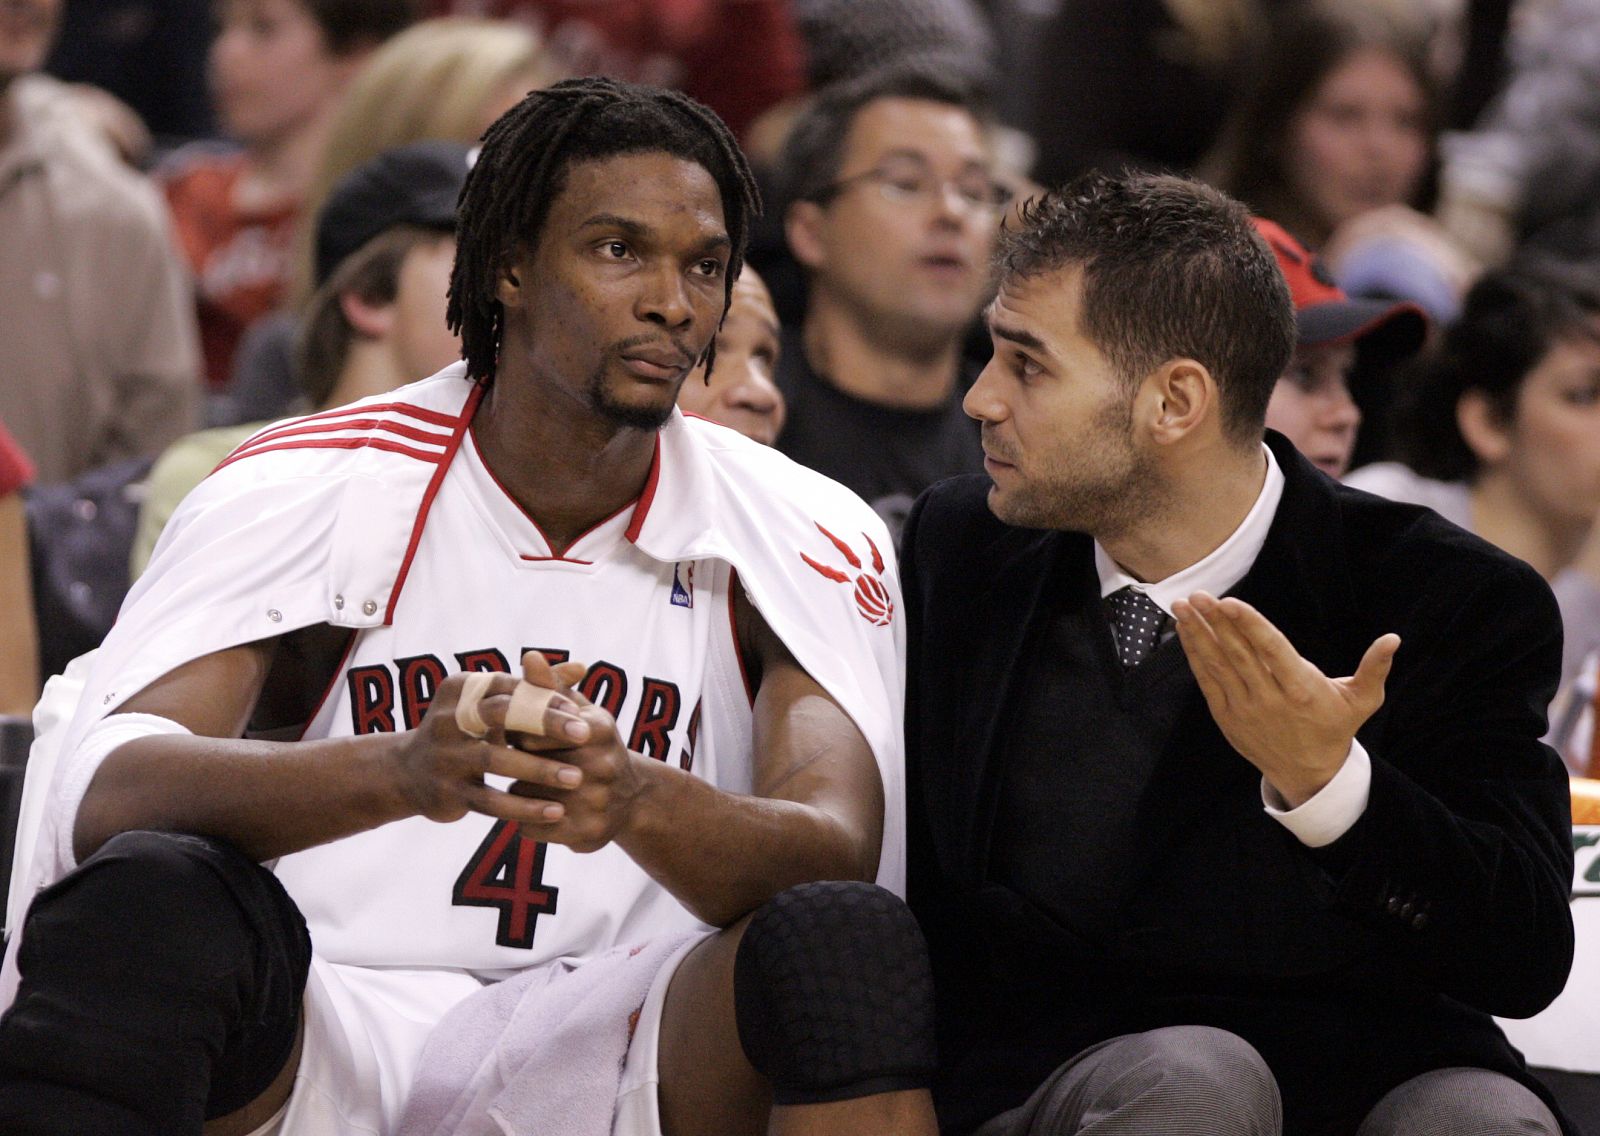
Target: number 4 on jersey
{"points": [[507, 872]]}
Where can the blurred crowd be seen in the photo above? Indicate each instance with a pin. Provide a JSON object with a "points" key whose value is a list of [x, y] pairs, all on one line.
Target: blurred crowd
{"points": [[220, 213], [217, 213]]}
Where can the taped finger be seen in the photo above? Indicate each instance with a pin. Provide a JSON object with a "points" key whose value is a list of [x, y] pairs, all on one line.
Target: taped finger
{"points": [[468, 720], [528, 705]]}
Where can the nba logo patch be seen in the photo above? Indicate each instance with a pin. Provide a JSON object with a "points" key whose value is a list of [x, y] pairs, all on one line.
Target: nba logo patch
{"points": [[682, 596]]}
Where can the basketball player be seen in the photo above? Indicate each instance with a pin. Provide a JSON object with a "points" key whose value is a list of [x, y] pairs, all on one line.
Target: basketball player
{"points": [[707, 718]]}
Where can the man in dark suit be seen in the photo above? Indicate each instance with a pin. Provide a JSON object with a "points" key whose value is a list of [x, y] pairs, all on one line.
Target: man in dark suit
{"points": [[1177, 874]]}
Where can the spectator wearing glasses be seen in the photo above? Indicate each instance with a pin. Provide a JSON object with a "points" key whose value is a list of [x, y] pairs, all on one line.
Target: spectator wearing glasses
{"points": [[892, 213]]}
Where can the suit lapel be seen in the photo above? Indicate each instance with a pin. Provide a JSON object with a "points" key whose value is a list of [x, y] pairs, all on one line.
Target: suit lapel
{"points": [[1009, 611]]}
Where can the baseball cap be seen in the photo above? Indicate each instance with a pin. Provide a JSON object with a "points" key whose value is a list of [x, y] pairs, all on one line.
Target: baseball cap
{"points": [[1388, 331], [417, 184]]}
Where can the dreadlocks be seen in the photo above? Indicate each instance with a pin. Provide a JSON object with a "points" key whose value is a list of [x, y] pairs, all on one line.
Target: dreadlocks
{"points": [[522, 169]]}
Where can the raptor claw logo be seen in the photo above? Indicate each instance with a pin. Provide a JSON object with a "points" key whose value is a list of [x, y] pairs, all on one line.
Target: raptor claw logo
{"points": [[872, 598]]}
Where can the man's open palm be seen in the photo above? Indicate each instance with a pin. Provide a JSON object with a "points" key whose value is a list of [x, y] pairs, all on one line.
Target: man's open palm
{"points": [[1285, 716]]}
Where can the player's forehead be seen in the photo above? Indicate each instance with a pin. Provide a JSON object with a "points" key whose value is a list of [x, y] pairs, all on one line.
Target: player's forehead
{"points": [[1039, 312], [652, 194]]}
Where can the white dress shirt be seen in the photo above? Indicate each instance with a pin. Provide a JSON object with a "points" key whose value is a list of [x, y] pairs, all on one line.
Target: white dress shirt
{"points": [[1339, 804]]}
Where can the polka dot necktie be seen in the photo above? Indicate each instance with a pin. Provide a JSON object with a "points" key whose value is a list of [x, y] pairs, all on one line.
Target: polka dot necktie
{"points": [[1138, 622]]}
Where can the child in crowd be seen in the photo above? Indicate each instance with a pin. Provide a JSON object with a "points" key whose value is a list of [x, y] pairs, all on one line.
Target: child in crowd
{"points": [[278, 68]]}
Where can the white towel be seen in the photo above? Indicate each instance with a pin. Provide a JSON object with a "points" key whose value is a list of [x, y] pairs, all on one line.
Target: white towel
{"points": [[540, 1054]]}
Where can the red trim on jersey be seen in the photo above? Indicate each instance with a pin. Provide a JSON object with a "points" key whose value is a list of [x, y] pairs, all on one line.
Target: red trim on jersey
{"points": [[338, 444], [333, 682], [500, 485], [414, 433], [733, 627], [444, 460], [550, 544], [433, 417], [642, 509], [429, 416], [559, 559]]}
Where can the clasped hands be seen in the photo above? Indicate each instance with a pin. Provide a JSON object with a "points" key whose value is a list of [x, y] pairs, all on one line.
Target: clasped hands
{"points": [[573, 781], [1280, 712]]}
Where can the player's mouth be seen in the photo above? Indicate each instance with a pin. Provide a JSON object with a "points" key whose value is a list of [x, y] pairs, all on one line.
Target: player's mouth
{"points": [[657, 365], [992, 463]]}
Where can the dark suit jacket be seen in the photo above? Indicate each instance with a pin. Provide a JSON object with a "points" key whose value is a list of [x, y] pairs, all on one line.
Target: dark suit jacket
{"points": [[1350, 968]]}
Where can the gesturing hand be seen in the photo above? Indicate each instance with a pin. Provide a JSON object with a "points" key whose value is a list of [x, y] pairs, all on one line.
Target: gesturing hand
{"points": [[1285, 716]]}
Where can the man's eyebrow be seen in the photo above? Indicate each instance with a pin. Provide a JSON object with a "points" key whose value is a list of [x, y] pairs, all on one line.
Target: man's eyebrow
{"points": [[613, 221], [720, 241], [1018, 336]]}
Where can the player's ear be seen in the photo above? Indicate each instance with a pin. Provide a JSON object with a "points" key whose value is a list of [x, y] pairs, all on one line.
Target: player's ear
{"points": [[1175, 399], [508, 283], [802, 225]]}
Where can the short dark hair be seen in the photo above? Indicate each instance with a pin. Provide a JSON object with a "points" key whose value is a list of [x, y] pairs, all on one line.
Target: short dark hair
{"points": [[372, 272], [522, 169], [349, 25], [1171, 269], [1509, 321], [813, 150]]}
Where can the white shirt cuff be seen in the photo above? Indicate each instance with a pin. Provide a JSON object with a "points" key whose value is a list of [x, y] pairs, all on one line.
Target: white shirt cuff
{"points": [[1334, 809]]}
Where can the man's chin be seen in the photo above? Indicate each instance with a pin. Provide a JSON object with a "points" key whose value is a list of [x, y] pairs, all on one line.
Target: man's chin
{"points": [[647, 417], [647, 409], [1007, 509]]}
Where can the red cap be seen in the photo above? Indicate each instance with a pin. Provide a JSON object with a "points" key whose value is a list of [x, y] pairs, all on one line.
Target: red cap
{"points": [[1387, 330]]}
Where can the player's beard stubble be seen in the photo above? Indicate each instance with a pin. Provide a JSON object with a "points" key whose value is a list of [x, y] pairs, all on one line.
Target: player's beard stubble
{"points": [[604, 401], [606, 404], [1098, 483]]}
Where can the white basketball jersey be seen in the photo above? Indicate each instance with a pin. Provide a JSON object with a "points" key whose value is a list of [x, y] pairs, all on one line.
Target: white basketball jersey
{"points": [[483, 588]]}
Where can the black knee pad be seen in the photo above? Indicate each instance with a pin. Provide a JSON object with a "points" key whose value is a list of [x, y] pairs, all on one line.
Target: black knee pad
{"points": [[834, 995], [164, 977]]}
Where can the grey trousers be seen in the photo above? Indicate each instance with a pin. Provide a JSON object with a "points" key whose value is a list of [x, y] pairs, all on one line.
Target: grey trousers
{"points": [[1199, 1081]]}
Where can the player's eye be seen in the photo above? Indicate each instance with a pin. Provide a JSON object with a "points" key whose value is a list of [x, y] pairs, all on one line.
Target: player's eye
{"points": [[709, 267], [616, 250]]}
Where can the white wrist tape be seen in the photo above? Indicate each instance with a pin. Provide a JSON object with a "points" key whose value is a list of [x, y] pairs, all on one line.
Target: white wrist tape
{"points": [[80, 766]]}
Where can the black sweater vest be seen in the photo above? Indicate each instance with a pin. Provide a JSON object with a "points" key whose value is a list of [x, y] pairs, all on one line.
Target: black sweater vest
{"points": [[1075, 764]]}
